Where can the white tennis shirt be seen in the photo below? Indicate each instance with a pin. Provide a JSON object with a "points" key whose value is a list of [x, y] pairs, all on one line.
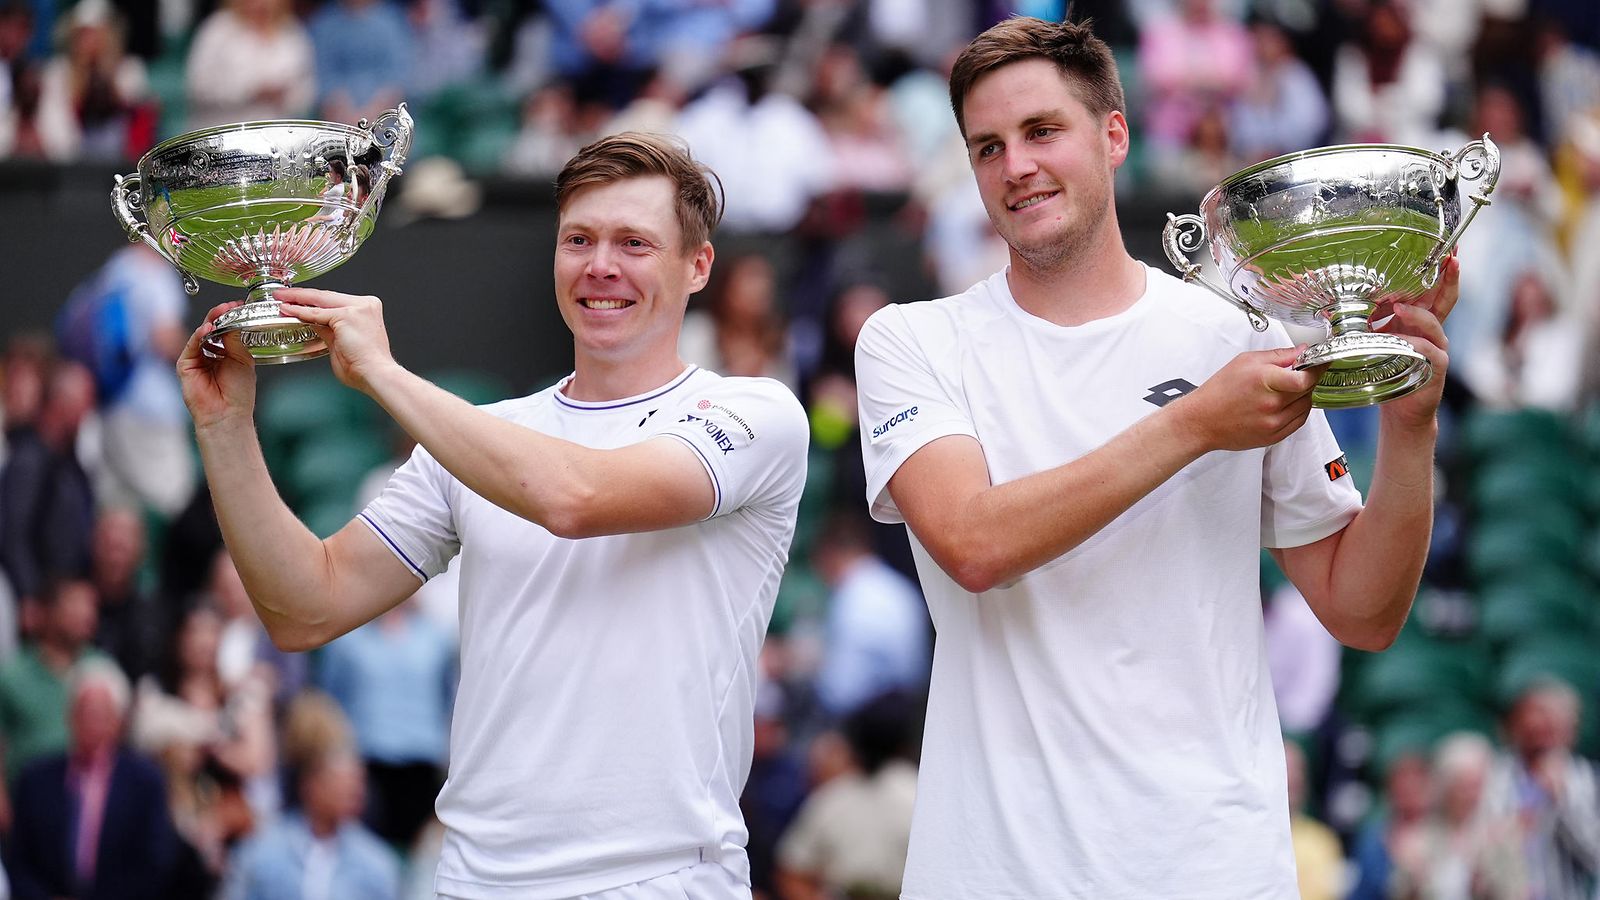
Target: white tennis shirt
{"points": [[1104, 727], [603, 724]]}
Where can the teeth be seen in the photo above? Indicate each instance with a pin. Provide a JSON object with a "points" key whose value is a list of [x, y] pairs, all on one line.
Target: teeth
{"points": [[1033, 200], [605, 304]]}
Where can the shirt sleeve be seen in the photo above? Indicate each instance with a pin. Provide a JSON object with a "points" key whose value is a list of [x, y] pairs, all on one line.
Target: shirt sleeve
{"points": [[903, 403], [1307, 491], [413, 516], [751, 434]]}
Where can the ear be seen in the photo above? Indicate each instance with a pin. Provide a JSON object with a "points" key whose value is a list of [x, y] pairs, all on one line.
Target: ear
{"points": [[1116, 132], [701, 262]]}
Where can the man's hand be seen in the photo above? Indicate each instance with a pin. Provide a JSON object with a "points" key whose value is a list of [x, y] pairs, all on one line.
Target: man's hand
{"points": [[357, 341], [1254, 401], [217, 388], [1422, 323]]}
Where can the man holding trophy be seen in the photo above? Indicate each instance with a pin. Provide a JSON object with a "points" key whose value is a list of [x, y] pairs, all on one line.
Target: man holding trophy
{"points": [[1089, 455], [622, 536]]}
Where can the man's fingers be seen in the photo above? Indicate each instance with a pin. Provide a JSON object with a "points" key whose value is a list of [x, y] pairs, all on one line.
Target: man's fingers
{"points": [[1418, 322], [1447, 291], [300, 296], [1291, 381], [221, 308], [312, 315]]}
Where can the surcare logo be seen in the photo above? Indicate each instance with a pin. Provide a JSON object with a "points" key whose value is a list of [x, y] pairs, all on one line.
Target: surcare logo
{"points": [[879, 432], [717, 434]]}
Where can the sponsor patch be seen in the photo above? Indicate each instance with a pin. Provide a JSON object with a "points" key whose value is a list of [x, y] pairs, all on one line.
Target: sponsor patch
{"points": [[879, 432], [1337, 469]]}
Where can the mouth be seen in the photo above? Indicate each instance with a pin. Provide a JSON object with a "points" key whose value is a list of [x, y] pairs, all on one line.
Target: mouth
{"points": [[603, 303], [1031, 200]]}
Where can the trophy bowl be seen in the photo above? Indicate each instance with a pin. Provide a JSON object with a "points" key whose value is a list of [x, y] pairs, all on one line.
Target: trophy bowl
{"points": [[1323, 237], [263, 205]]}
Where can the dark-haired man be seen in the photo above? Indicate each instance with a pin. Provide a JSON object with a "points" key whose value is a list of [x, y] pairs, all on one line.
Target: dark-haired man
{"points": [[622, 536], [1089, 456]]}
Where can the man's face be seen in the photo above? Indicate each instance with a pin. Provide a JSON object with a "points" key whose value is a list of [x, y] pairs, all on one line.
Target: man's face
{"points": [[622, 274], [1043, 162]]}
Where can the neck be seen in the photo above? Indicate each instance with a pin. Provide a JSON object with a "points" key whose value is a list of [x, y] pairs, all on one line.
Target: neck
{"points": [[595, 379], [57, 655], [1097, 281], [321, 826]]}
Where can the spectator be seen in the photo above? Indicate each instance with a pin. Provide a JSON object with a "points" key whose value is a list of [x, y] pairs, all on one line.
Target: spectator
{"points": [[186, 696], [320, 850], [1317, 858], [125, 322], [1408, 789], [551, 132], [395, 678], [1539, 357], [279, 82], [1191, 61], [1283, 109], [1386, 87], [740, 330], [851, 835], [46, 500], [131, 623], [33, 687], [92, 821], [777, 783], [93, 97], [1553, 793], [877, 628], [769, 151], [364, 51], [245, 653], [854, 111], [1462, 850]]}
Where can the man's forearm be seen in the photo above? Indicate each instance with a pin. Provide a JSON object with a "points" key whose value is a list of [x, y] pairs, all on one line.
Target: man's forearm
{"points": [[1379, 560], [282, 564]]}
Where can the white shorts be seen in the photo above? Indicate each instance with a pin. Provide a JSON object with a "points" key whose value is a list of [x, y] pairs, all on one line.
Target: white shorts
{"points": [[703, 881]]}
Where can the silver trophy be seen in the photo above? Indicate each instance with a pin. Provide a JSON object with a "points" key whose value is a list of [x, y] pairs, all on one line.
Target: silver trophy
{"points": [[1322, 237], [263, 205]]}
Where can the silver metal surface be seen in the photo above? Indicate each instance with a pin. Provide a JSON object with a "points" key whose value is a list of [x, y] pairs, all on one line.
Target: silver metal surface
{"points": [[1322, 237], [264, 205]]}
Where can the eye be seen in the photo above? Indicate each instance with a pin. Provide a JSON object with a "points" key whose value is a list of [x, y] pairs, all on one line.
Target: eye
{"points": [[1044, 131], [577, 240], [634, 243], [988, 150]]}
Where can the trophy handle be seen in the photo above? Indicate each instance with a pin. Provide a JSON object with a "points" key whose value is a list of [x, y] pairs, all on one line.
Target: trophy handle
{"points": [[128, 203], [1477, 161], [1184, 235], [391, 133]]}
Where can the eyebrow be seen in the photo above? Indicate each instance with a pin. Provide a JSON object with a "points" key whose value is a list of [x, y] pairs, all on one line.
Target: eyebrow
{"points": [[1026, 124]]}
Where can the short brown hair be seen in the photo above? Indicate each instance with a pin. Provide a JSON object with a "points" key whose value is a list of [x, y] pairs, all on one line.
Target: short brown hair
{"points": [[635, 154], [1083, 59]]}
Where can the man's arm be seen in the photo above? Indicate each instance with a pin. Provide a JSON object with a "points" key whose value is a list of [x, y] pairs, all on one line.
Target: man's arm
{"points": [[1360, 581], [307, 591], [571, 490], [986, 535]]}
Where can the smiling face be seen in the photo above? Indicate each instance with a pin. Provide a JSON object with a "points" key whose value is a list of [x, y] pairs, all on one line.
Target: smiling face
{"points": [[1043, 161], [622, 272]]}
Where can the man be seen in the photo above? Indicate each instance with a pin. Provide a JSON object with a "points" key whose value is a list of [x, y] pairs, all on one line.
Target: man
{"points": [[92, 822], [321, 849], [622, 535], [34, 685], [1551, 791], [1087, 521]]}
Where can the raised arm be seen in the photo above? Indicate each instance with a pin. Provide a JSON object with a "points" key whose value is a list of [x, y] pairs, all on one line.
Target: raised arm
{"points": [[1360, 581], [984, 535], [571, 490], [307, 591]]}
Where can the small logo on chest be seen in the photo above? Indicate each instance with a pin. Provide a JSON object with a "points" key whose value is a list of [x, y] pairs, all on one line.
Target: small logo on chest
{"points": [[1168, 391]]}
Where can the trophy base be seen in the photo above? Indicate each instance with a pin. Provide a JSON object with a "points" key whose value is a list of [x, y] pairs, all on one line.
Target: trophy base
{"points": [[1364, 369], [270, 337]]}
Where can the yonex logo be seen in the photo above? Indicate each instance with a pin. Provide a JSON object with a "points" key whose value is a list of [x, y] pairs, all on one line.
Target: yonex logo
{"points": [[718, 436], [1168, 391]]}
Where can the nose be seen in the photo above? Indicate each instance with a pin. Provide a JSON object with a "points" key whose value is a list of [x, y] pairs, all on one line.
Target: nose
{"points": [[1019, 162], [602, 263]]}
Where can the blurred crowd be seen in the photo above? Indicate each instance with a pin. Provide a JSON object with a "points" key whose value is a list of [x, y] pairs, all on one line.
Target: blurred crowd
{"points": [[155, 743]]}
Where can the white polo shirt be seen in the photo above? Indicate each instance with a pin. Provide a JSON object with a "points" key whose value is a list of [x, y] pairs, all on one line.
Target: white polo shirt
{"points": [[1104, 727], [603, 724]]}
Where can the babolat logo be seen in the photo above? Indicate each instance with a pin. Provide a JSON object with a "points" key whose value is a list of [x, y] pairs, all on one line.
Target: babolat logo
{"points": [[904, 415], [718, 436], [1337, 469]]}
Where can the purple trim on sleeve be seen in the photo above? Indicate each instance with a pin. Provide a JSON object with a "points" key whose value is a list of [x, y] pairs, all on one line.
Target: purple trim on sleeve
{"points": [[392, 545]]}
